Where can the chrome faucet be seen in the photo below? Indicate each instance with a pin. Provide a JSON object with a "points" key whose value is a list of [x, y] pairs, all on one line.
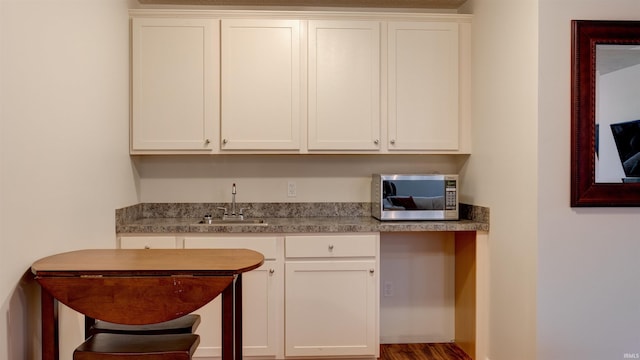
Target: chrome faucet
{"points": [[233, 199], [233, 215]]}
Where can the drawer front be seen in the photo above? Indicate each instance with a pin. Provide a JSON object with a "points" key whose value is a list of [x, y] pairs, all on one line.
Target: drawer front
{"points": [[361, 245], [148, 242], [266, 245]]}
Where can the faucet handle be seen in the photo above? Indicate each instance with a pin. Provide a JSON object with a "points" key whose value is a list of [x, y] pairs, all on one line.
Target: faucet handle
{"points": [[226, 212]]}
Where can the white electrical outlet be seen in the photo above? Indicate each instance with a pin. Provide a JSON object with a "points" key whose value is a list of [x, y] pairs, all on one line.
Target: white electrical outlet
{"points": [[387, 289], [291, 189]]}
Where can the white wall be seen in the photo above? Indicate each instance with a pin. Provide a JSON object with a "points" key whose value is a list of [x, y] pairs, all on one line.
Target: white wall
{"points": [[588, 292], [64, 164], [502, 171], [418, 270], [319, 178]]}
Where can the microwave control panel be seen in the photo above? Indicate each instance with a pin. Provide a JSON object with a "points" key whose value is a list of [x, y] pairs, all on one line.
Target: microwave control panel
{"points": [[451, 195]]}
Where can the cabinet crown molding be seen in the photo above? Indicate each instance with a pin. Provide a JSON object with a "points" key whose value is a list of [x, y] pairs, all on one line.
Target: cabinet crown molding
{"points": [[417, 4], [273, 13]]}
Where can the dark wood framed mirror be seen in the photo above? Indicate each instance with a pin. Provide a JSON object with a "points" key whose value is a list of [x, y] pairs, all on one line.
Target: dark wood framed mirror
{"points": [[605, 113]]}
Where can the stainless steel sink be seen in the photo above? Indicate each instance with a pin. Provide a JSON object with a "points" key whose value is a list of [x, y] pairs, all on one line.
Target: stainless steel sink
{"points": [[231, 222]]}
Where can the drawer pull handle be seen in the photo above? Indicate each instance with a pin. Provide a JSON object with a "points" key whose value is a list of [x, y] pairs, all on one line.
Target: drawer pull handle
{"points": [[331, 247], [271, 271]]}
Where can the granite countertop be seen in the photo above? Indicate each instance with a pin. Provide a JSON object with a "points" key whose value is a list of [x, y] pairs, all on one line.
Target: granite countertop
{"points": [[177, 218], [297, 225]]}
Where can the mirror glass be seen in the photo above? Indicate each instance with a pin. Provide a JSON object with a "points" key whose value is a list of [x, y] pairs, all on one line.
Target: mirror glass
{"points": [[617, 114]]}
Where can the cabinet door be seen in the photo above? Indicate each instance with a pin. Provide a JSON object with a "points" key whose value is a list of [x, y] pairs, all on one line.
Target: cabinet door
{"points": [[331, 308], [344, 85], [260, 85], [174, 75], [259, 336], [260, 289], [423, 86]]}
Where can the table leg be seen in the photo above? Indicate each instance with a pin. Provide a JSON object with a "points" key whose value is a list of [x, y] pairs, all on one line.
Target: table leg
{"points": [[238, 317], [88, 324], [232, 320], [227, 323], [49, 318]]}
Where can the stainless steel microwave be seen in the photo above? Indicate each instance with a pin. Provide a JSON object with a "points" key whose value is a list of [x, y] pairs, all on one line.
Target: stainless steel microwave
{"points": [[414, 197]]}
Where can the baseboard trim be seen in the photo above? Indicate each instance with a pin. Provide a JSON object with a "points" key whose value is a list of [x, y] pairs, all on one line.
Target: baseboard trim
{"points": [[414, 339]]}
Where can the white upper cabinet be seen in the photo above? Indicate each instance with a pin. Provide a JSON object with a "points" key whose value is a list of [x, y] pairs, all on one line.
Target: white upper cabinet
{"points": [[231, 82], [260, 84], [344, 85], [423, 86], [174, 93]]}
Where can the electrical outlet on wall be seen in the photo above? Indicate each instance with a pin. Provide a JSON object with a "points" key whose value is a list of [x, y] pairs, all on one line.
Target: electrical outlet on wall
{"points": [[291, 189], [387, 288]]}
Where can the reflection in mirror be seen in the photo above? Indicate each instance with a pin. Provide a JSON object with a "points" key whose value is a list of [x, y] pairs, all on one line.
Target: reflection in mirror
{"points": [[617, 135]]}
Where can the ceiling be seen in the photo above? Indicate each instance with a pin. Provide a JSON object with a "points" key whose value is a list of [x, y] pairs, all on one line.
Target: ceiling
{"points": [[416, 4], [615, 57]]}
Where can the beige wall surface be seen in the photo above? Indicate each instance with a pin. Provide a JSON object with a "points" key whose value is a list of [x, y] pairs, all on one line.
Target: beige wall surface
{"points": [[64, 163], [502, 171], [264, 178], [588, 292]]}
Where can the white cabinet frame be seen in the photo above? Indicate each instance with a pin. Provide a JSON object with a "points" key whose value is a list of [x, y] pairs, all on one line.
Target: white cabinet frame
{"points": [[423, 86], [175, 99], [344, 85], [260, 84]]}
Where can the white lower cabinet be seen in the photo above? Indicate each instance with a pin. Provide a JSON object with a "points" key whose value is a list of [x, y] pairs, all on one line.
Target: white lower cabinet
{"points": [[329, 283], [262, 304], [331, 292]]}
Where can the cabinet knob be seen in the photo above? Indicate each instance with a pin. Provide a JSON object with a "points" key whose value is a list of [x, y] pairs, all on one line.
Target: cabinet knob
{"points": [[225, 141], [207, 141], [331, 247], [376, 141], [271, 271], [147, 247], [393, 142], [371, 271]]}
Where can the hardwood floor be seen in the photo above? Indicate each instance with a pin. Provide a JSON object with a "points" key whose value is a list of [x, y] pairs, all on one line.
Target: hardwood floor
{"points": [[438, 351]]}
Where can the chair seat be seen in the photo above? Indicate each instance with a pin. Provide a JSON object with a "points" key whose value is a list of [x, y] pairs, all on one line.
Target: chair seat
{"points": [[104, 346], [182, 325]]}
